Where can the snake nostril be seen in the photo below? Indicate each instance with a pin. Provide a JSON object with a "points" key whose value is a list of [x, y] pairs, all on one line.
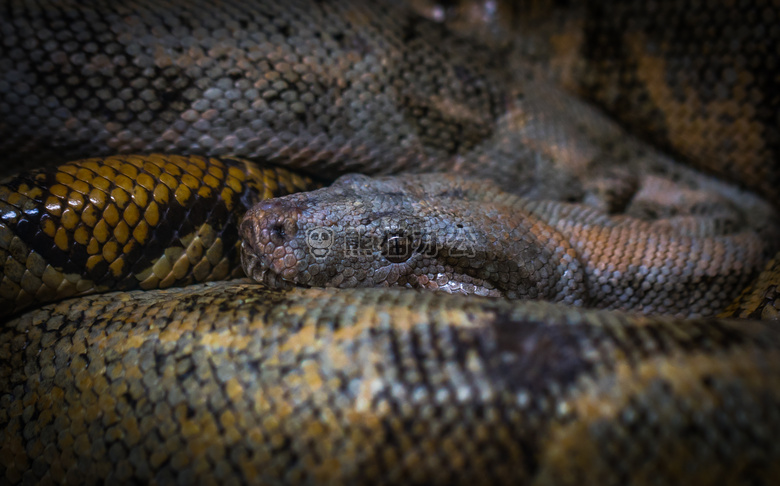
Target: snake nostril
{"points": [[278, 231], [272, 221]]}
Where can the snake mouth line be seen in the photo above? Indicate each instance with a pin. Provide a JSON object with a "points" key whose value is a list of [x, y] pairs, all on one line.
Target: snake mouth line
{"points": [[256, 268]]}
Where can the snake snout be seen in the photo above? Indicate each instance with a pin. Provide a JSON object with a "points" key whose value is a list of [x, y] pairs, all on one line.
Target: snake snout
{"points": [[267, 231], [270, 224], [269, 228]]}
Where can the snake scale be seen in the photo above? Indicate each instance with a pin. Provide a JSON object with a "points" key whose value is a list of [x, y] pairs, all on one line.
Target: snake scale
{"points": [[193, 112]]}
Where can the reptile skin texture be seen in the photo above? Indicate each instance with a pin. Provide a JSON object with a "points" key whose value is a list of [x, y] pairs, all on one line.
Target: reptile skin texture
{"points": [[134, 135], [219, 383], [447, 233], [127, 222], [698, 79]]}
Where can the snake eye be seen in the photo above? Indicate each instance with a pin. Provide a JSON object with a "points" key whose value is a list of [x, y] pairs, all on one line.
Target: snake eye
{"points": [[397, 248]]}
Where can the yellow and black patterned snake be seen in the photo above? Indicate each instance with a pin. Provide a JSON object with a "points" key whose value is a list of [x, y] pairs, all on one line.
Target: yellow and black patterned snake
{"points": [[135, 136]]}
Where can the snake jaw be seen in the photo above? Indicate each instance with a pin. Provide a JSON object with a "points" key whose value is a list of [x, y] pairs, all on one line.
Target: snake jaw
{"points": [[256, 269]]}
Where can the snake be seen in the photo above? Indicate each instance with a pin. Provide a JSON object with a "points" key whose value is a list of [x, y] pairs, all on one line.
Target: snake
{"points": [[436, 231], [150, 146]]}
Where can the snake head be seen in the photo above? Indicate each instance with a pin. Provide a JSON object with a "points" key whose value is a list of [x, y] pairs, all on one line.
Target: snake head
{"points": [[356, 233], [435, 232]]}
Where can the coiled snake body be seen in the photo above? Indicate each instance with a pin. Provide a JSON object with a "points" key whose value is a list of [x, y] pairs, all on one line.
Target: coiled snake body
{"points": [[235, 382]]}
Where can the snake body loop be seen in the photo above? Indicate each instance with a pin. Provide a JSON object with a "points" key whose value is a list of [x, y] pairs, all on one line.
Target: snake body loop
{"points": [[135, 135]]}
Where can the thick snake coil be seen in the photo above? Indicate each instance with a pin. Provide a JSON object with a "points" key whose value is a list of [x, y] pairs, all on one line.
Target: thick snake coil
{"points": [[222, 381], [233, 382]]}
